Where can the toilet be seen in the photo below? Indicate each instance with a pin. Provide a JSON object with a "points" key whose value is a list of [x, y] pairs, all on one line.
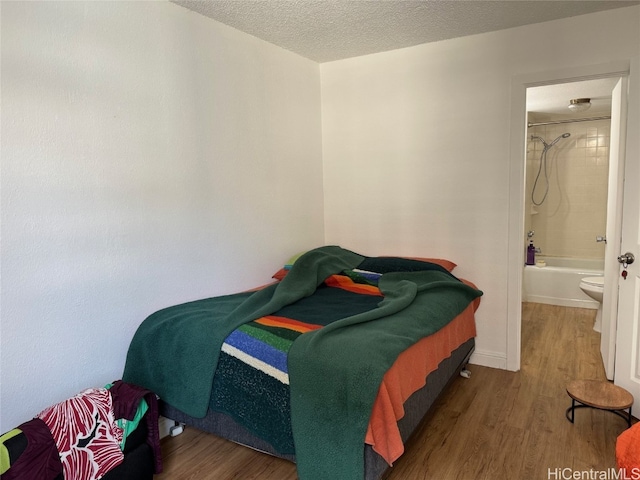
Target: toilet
{"points": [[594, 287]]}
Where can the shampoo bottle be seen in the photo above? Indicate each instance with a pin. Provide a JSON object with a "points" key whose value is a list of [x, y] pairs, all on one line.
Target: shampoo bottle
{"points": [[531, 254]]}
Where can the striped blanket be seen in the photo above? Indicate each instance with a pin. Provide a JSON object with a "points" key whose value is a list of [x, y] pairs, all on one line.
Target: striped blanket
{"points": [[252, 380]]}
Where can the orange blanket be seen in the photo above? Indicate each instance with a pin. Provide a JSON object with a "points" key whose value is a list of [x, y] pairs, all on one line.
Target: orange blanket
{"points": [[628, 451], [407, 375]]}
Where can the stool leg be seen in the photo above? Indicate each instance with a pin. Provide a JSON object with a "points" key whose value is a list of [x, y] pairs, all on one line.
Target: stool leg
{"points": [[571, 409]]}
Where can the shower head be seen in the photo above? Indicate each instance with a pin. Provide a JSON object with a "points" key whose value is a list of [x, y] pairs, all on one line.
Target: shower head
{"points": [[549, 145], [564, 135]]}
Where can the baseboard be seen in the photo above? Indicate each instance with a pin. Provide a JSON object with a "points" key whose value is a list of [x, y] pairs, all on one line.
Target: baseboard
{"points": [[561, 302], [489, 359]]}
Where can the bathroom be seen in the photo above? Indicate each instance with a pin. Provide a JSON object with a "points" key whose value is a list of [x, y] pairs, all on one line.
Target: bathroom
{"points": [[566, 193]]}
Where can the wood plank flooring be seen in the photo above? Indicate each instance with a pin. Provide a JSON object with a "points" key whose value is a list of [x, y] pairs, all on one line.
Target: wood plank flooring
{"points": [[495, 425]]}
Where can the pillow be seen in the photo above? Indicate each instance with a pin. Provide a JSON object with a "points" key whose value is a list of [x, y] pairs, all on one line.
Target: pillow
{"points": [[628, 449], [293, 259], [398, 264], [280, 274]]}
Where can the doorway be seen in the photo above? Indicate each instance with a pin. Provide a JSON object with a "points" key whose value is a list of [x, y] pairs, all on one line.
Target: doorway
{"points": [[566, 196], [520, 85]]}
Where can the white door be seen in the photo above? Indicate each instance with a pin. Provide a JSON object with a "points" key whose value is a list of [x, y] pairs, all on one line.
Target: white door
{"points": [[627, 357], [614, 226]]}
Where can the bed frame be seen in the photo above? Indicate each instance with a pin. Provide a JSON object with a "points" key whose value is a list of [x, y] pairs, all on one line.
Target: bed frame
{"points": [[376, 468]]}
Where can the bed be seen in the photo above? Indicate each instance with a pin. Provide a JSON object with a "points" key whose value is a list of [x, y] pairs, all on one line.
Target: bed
{"points": [[332, 367]]}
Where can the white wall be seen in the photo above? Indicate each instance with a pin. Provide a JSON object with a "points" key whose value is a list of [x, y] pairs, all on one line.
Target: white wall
{"points": [[150, 156], [416, 146]]}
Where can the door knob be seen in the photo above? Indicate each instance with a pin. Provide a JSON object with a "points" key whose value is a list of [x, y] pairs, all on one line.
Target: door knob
{"points": [[626, 258]]}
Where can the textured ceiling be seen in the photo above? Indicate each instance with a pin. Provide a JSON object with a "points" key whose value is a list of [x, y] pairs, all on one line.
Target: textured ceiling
{"points": [[327, 30]]}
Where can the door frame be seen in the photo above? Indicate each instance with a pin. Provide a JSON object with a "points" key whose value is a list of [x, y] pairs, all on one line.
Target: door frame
{"points": [[517, 154]]}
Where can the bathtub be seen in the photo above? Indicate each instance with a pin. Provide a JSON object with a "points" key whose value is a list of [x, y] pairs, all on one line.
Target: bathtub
{"points": [[558, 282]]}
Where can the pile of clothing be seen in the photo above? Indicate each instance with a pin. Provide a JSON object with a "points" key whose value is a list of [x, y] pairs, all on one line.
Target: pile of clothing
{"points": [[93, 435]]}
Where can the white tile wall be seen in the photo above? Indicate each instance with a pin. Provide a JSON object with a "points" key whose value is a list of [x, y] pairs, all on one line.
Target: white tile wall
{"points": [[575, 210]]}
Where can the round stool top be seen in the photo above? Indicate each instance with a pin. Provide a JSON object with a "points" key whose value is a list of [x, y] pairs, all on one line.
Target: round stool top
{"points": [[600, 394]]}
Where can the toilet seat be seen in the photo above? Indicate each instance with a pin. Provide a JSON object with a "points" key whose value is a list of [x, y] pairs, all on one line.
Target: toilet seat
{"points": [[593, 281], [594, 288]]}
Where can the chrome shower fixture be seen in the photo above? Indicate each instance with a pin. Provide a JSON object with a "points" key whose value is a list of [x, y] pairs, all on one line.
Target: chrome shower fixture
{"points": [[549, 145], [564, 135], [544, 165]]}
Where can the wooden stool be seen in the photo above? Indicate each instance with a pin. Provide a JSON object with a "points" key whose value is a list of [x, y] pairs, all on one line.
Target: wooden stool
{"points": [[599, 394]]}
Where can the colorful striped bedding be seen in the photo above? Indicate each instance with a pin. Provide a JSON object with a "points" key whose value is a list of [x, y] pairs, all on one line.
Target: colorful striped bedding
{"points": [[252, 380], [259, 345]]}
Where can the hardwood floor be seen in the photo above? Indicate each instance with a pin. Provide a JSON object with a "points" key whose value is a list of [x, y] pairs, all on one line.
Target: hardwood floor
{"points": [[495, 425]]}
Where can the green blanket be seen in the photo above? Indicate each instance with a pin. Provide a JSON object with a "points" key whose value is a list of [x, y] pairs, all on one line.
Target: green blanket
{"points": [[334, 372], [174, 352]]}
